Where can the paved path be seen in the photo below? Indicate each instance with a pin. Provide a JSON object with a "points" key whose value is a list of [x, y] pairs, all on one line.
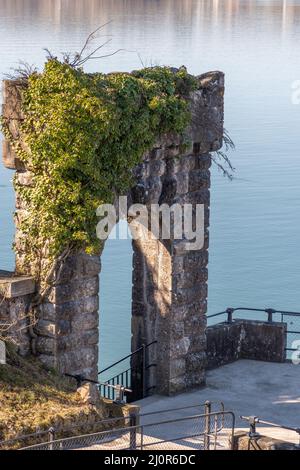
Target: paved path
{"points": [[268, 390]]}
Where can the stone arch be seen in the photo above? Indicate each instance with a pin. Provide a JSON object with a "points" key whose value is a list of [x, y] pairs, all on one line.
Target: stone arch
{"points": [[169, 282]]}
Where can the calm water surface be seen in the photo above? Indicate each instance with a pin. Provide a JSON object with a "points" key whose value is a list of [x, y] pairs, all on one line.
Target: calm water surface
{"points": [[255, 219]]}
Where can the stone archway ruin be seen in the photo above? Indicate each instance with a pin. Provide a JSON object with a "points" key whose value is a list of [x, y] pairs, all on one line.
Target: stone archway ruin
{"points": [[169, 291]]}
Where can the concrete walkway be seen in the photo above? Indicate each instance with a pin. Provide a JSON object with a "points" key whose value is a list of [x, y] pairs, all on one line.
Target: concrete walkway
{"points": [[270, 391]]}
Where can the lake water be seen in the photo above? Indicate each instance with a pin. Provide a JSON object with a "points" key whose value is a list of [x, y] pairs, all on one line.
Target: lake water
{"points": [[255, 219]]}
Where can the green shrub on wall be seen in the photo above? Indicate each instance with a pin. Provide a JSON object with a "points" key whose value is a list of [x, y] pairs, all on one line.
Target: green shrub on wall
{"points": [[81, 137]]}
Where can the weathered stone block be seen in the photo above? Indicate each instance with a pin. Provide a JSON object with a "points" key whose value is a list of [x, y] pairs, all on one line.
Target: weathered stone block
{"points": [[198, 179], [85, 321], [176, 331], [182, 183], [264, 341], [45, 345], [45, 328], [25, 178], [142, 170], [80, 266], [157, 154], [173, 166], [47, 311], [75, 360], [193, 360], [191, 278], [193, 323], [168, 190], [69, 310], [77, 340], [180, 347], [194, 260], [203, 162], [157, 168], [12, 104], [193, 294], [15, 286], [176, 385], [206, 106], [74, 290], [184, 312], [89, 394], [63, 327], [172, 152], [168, 140], [9, 157], [153, 187], [177, 368], [201, 196], [49, 361]]}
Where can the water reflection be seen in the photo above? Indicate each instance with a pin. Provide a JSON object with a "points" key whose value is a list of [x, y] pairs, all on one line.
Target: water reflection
{"points": [[280, 13]]}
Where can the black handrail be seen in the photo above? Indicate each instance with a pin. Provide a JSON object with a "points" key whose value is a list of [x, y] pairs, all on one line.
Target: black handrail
{"points": [[138, 370], [127, 357], [270, 311]]}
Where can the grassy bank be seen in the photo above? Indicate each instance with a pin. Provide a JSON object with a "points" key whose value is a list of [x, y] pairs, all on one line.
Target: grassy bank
{"points": [[32, 398]]}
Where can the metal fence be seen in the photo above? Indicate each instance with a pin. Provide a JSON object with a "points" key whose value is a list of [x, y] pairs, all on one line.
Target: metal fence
{"points": [[198, 432], [52, 434], [22, 440], [109, 424], [292, 319]]}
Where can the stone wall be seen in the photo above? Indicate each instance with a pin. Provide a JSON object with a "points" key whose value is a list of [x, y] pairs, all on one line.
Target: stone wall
{"points": [[15, 295], [245, 339], [169, 282]]}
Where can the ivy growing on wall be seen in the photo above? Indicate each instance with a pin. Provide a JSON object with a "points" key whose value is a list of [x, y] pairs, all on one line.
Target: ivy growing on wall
{"points": [[82, 135]]}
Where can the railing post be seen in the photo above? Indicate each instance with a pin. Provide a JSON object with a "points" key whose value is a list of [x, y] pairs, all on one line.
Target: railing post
{"points": [[142, 437], [51, 434], [229, 312], [252, 423], [144, 369], [215, 432], [207, 408], [270, 312], [133, 424]]}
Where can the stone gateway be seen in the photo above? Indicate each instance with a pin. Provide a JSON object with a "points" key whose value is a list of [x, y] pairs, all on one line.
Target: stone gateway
{"points": [[169, 283]]}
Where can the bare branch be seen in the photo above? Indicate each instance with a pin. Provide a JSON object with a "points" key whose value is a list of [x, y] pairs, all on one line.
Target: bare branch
{"points": [[221, 167], [141, 60], [108, 55], [80, 62], [22, 72], [91, 37]]}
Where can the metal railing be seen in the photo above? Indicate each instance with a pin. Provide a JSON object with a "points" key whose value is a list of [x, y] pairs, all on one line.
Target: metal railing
{"points": [[111, 423], [205, 431], [292, 319], [117, 390], [17, 441], [134, 377], [52, 433], [254, 420]]}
